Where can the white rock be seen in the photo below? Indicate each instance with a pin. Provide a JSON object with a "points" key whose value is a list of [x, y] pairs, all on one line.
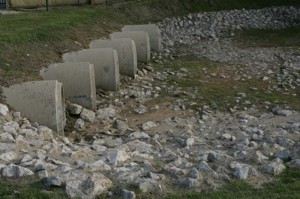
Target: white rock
{"points": [[99, 148], [8, 156], [6, 137], [138, 136], [75, 109], [11, 127], [226, 136], [275, 167], [203, 166], [114, 157], [7, 147], [286, 113], [42, 174], [16, 171], [99, 165], [88, 115], [26, 158], [189, 142], [128, 194], [51, 181], [148, 125], [188, 182], [90, 187], [140, 146], [96, 184], [3, 110], [73, 189], [111, 142], [150, 186], [105, 113], [121, 126], [79, 124], [193, 173], [46, 133]]}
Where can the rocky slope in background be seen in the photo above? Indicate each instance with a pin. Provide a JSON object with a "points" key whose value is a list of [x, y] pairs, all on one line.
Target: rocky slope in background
{"points": [[140, 139]]}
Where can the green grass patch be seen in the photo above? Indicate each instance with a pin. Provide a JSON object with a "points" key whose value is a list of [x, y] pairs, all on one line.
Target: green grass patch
{"points": [[217, 5], [288, 37], [285, 186], [43, 26], [27, 188]]}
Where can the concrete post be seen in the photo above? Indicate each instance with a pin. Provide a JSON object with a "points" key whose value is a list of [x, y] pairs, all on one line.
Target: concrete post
{"points": [[106, 64], [78, 80], [141, 40], [153, 32], [40, 101], [126, 53]]}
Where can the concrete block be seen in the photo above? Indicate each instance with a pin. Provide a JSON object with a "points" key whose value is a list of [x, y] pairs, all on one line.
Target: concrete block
{"points": [[106, 64], [40, 101], [126, 50], [153, 32], [78, 81], [141, 40]]}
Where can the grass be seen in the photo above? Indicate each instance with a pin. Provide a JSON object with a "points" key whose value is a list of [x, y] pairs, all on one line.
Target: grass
{"points": [[288, 37], [285, 186], [217, 5], [27, 188]]}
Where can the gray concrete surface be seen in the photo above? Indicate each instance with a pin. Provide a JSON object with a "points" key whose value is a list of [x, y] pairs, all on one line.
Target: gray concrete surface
{"points": [[106, 64], [141, 40], [78, 81], [126, 53], [40, 101], [153, 32]]}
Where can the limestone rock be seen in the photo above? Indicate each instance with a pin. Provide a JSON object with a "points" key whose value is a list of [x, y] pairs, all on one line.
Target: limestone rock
{"points": [[121, 126], [4, 147], [105, 113], [8, 156], [114, 157], [90, 187], [96, 184], [203, 166], [3, 110], [148, 125], [74, 109], [194, 174], [275, 167], [128, 194], [6, 137], [111, 142], [150, 186], [138, 136], [51, 181], [99, 165], [79, 124], [189, 142], [13, 170], [188, 182], [88, 115]]}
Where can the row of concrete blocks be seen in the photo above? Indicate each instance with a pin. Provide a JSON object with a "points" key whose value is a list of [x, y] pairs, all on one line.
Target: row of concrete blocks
{"points": [[83, 72]]}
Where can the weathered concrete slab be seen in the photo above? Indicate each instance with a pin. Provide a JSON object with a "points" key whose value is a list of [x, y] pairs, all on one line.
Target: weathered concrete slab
{"points": [[126, 50], [153, 32], [78, 80], [141, 40], [106, 64], [40, 101]]}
